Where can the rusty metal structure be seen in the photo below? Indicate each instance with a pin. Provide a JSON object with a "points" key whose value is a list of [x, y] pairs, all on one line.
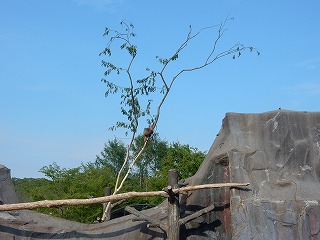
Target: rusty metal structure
{"points": [[277, 152]]}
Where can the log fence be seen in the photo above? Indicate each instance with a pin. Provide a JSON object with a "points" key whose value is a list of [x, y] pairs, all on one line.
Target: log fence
{"points": [[171, 192]]}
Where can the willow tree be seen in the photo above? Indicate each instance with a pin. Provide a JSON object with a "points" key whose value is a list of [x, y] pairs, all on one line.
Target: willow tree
{"points": [[142, 98]]}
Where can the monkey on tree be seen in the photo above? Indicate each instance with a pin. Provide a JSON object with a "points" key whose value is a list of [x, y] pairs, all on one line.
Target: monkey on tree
{"points": [[147, 132]]}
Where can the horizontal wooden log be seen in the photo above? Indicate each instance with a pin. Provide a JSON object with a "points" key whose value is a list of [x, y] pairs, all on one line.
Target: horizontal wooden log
{"points": [[206, 186], [116, 197], [75, 202]]}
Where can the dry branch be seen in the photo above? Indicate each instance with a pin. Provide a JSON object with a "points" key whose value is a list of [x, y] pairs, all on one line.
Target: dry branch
{"points": [[206, 186], [74, 202], [143, 217], [195, 215]]}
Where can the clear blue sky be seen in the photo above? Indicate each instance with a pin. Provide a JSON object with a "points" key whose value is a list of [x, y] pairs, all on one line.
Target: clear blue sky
{"points": [[52, 101]]}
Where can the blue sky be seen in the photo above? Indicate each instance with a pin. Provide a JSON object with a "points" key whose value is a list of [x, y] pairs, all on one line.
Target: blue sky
{"points": [[52, 101]]}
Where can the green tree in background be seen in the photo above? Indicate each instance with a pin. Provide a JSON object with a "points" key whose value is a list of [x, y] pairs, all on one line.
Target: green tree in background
{"points": [[86, 181], [89, 180], [113, 155], [184, 158]]}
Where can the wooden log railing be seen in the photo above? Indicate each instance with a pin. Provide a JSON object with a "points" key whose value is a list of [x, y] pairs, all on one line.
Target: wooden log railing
{"points": [[171, 192], [117, 197]]}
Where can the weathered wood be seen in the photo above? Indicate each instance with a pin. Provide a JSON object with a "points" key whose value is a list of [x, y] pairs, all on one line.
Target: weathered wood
{"points": [[118, 203], [150, 225], [107, 192], [206, 186], [173, 207], [75, 202], [143, 217], [196, 215]]}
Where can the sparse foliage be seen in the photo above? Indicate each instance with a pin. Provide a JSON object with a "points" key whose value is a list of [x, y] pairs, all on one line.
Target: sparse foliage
{"points": [[134, 106]]}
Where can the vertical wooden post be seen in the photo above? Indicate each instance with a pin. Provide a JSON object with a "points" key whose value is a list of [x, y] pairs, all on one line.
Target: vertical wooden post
{"points": [[173, 207], [107, 192]]}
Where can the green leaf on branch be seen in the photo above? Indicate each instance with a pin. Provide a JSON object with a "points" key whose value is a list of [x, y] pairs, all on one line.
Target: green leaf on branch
{"points": [[106, 32], [132, 50], [174, 57]]}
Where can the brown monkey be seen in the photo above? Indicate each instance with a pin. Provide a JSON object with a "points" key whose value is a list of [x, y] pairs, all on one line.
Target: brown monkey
{"points": [[147, 132]]}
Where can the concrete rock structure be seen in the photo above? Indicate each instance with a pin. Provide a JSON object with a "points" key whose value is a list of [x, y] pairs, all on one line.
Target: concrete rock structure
{"points": [[277, 152]]}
